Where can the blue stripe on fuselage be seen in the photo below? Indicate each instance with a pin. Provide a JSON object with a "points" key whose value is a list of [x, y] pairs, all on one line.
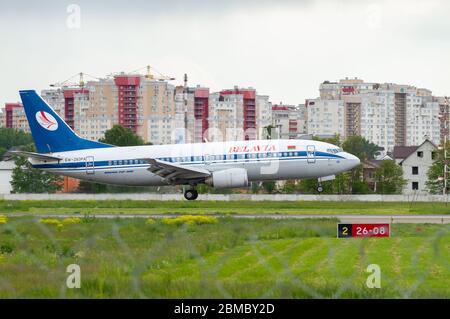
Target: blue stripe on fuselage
{"points": [[130, 163]]}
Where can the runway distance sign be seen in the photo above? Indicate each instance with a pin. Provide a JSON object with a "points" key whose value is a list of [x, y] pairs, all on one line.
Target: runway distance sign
{"points": [[363, 230]]}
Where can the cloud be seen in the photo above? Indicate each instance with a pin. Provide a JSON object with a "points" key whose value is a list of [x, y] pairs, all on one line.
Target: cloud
{"points": [[284, 49]]}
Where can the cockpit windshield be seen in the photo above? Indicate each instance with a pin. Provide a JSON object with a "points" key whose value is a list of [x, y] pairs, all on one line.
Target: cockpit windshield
{"points": [[334, 150]]}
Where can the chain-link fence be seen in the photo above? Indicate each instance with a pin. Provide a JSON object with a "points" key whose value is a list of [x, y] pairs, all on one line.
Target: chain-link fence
{"points": [[217, 257]]}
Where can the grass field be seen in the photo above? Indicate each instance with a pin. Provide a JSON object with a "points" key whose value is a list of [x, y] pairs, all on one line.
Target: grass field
{"points": [[222, 207], [125, 258]]}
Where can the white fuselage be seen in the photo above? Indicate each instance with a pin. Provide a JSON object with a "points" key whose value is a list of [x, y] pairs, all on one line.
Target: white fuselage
{"points": [[263, 160]]}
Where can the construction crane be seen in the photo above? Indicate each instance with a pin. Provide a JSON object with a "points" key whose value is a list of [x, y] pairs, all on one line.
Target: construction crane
{"points": [[155, 75], [70, 81]]}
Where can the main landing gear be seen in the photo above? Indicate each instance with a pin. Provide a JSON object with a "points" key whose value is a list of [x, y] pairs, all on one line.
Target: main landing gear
{"points": [[319, 188], [191, 194]]}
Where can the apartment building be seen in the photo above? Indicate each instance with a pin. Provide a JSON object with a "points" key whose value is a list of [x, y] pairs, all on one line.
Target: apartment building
{"points": [[289, 120], [13, 116], [142, 104], [263, 114], [325, 117], [238, 114], [191, 114], [386, 114], [226, 117], [376, 120]]}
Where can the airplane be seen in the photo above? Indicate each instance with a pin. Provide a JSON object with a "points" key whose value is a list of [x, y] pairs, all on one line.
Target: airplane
{"points": [[231, 164]]}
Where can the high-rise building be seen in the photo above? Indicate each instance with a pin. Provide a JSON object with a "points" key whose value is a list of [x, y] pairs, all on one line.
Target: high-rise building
{"points": [[289, 120], [161, 113], [263, 114], [191, 114], [13, 116], [376, 119], [226, 117], [246, 99], [238, 114], [386, 114], [144, 105], [325, 117]]}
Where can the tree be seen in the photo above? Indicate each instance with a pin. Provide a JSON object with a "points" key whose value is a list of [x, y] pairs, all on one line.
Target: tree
{"points": [[255, 187], [11, 137], [361, 187], [26, 179], [364, 150], [435, 183], [309, 186], [267, 131], [121, 136], [340, 185], [269, 186], [360, 147], [290, 187], [389, 178]]}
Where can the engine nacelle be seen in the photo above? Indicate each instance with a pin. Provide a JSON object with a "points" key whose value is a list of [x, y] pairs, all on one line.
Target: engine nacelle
{"points": [[228, 178]]}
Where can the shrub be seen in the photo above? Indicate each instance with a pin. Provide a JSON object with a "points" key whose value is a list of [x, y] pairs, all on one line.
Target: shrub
{"points": [[52, 222], [190, 220], [3, 219], [71, 220], [6, 249], [60, 223]]}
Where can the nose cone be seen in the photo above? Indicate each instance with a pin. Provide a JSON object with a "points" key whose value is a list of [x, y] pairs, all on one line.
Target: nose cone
{"points": [[352, 160]]}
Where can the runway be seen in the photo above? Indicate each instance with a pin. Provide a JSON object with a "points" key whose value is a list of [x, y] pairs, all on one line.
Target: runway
{"points": [[392, 219]]}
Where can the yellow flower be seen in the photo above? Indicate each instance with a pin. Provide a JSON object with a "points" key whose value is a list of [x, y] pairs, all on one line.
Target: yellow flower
{"points": [[60, 223], [71, 220], [190, 220], [52, 222], [150, 221], [3, 219]]}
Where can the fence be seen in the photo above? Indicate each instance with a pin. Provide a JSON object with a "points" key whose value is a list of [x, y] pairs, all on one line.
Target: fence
{"points": [[231, 197]]}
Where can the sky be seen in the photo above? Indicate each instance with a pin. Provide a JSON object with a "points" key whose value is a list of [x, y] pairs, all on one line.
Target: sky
{"points": [[283, 48]]}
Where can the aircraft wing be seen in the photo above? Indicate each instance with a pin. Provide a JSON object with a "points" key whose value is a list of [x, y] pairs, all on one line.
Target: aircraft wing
{"points": [[172, 173], [39, 157]]}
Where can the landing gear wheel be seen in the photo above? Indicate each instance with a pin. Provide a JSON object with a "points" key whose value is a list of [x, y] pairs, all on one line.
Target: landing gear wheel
{"points": [[319, 189], [191, 194]]}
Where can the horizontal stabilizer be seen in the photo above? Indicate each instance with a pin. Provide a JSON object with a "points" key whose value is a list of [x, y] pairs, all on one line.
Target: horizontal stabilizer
{"points": [[39, 157]]}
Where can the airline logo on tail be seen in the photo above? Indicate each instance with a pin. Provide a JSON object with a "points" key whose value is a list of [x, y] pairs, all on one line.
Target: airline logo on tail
{"points": [[46, 120]]}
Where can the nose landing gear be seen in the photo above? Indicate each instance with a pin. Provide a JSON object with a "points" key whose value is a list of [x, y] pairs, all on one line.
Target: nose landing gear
{"points": [[191, 194]]}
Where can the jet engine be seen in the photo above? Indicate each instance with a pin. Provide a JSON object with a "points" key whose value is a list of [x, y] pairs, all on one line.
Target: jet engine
{"points": [[228, 178]]}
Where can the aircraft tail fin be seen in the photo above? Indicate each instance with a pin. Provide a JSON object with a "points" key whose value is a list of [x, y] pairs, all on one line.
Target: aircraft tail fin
{"points": [[50, 133]]}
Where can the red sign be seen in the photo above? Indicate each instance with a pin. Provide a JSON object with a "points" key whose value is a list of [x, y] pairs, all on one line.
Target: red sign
{"points": [[363, 230]]}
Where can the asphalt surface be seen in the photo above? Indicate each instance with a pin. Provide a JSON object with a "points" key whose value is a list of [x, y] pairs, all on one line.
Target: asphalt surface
{"points": [[392, 219]]}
